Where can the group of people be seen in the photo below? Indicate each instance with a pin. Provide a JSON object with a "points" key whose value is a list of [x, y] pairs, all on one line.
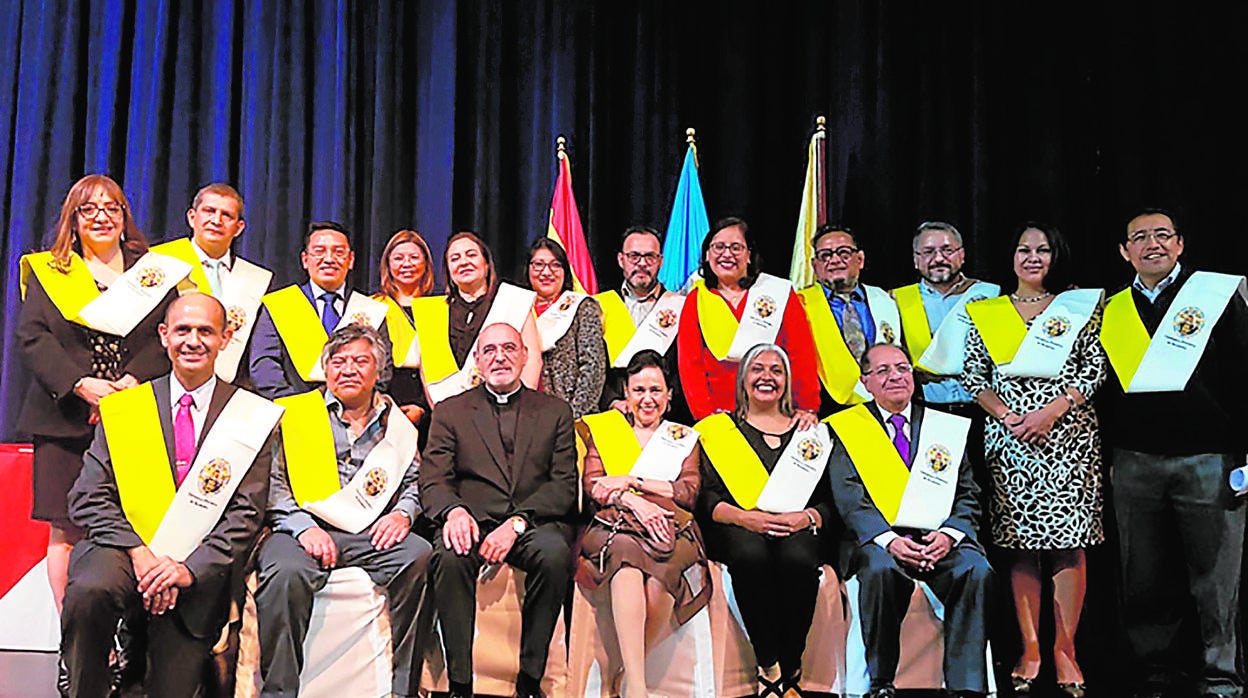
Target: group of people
{"points": [[191, 424]]}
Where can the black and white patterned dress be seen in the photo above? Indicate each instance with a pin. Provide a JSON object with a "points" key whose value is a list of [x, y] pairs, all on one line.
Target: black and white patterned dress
{"points": [[1044, 496]]}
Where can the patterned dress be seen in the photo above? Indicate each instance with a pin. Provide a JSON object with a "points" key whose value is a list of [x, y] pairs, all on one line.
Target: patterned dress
{"points": [[1044, 496]]}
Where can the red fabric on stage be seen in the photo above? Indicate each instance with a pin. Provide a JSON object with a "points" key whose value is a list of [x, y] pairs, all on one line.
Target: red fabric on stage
{"points": [[25, 540], [710, 385]]}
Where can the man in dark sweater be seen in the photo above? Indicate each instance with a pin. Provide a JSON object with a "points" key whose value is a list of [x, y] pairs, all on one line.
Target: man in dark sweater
{"points": [[1177, 339]]}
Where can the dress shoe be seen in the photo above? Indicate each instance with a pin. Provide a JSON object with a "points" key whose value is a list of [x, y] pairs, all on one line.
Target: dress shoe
{"points": [[1022, 685], [882, 692], [459, 691], [1075, 689]]}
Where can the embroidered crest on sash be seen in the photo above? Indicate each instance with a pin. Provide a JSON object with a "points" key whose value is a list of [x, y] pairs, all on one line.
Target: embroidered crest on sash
{"points": [[235, 317], [214, 476], [888, 333], [151, 277], [1189, 321], [1057, 326], [375, 482], [567, 302], [938, 458], [677, 431], [765, 305], [810, 449], [667, 318]]}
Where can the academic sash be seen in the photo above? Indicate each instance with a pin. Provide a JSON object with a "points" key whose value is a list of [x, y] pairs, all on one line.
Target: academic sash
{"points": [[118, 309], [312, 463], [557, 319], [917, 497], [623, 455], [624, 338], [443, 376], [1165, 361], [403, 345], [838, 370], [789, 485], [300, 327], [174, 520], [241, 298], [728, 338], [943, 352], [1041, 350]]}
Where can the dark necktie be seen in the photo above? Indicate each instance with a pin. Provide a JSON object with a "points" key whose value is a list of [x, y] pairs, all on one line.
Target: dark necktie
{"points": [[899, 437], [183, 438], [329, 314], [851, 328]]}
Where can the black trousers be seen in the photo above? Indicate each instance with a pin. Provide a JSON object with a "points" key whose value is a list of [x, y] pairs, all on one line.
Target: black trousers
{"points": [[776, 584], [542, 553], [963, 583], [102, 588]]}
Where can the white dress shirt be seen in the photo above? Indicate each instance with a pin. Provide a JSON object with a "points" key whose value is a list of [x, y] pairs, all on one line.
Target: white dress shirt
{"points": [[202, 396]]}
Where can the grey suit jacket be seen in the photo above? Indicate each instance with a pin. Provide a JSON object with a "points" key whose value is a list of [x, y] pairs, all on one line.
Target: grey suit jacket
{"points": [[94, 504]]}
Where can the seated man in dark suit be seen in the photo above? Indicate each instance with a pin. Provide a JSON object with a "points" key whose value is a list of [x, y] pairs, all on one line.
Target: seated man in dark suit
{"points": [[499, 475], [171, 496], [901, 482]]}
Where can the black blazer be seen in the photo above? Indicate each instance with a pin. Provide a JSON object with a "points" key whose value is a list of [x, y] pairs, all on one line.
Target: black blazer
{"points": [[217, 563], [58, 354], [464, 463], [863, 521]]}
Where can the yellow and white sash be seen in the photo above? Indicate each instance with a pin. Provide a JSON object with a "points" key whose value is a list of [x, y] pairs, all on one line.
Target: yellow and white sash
{"points": [[1165, 361], [917, 497], [623, 455], [174, 520], [404, 347], [241, 298], [943, 352], [789, 485], [116, 310], [555, 322], [301, 330], [312, 463], [1041, 350], [884, 314], [625, 338], [443, 377], [728, 338], [838, 370]]}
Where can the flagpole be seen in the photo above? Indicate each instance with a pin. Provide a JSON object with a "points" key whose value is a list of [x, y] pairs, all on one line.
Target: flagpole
{"points": [[561, 147], [821, 127], [693, 143]]}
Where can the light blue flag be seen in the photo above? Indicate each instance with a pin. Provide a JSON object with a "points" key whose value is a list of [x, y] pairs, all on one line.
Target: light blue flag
{"points": [[686, 228]]}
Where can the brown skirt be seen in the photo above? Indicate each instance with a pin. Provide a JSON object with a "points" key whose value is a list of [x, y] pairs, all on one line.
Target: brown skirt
{"points": [[55, 468], [684, 574]]}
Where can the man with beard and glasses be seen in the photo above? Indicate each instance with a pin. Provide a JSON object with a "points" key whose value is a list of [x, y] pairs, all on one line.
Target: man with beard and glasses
{"points": [[846, 316], [642, 315]]}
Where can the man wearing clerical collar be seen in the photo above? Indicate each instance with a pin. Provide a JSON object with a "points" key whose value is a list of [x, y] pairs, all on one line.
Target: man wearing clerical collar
{"points": [[1175, 423], [932, 537], [500, 478], [366, 523], [172, 583]]}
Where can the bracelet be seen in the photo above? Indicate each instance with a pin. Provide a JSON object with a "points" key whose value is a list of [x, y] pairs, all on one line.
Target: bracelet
{"points": [[813, 525], [637, 484], [1006, 414]]}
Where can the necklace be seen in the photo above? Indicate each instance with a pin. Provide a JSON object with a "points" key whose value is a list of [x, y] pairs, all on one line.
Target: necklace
{"points": [[1030, 299]]}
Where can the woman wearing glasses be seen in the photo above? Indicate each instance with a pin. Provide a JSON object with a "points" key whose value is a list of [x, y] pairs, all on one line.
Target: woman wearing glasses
{"points": [[406, 274], [82, 340], [733, 308], [1033, 362], [574, 353]]}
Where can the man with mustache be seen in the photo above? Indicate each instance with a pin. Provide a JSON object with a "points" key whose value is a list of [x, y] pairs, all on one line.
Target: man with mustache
{"points": [[904, 489], [343, 494], [171, 497], [500, 478], [1177, 338], [216, 220], [641, 315], [296, 320], [846, 316]]}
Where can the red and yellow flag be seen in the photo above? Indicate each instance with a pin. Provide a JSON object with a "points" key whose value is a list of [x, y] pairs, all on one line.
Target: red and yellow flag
{"points": [[565, 228]]}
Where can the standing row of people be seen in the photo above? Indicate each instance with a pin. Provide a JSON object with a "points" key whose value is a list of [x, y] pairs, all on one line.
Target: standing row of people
{"points": [[759, 364]]}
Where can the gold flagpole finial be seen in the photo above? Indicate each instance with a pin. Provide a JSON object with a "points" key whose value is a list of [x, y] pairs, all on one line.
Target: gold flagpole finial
{"points": [[821, 123], [689, 136], [561, 144]]}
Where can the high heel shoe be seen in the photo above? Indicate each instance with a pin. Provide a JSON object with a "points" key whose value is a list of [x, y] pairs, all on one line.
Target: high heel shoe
{"points": [[1076, 689], [790, 686], [1021, 684]]}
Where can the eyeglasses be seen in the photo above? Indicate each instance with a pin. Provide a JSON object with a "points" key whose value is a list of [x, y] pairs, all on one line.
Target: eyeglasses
{"points": [[883, 372], [541, 265], [722, 247], [1161, 236], [844, 253], [639, 257], [944, 250], [112, 210], [336, 253]]}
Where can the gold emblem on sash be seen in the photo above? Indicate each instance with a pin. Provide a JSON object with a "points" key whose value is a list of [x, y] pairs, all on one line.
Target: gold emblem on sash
{"points": [[1189, 321], [677, 431], [375, 482], [1056, 326], [765, 306], [235, 317], [214, 476], [151, 277], [887, 331], [567, 303], [667, 317], [810, 448], [477, 378], [360, 318], [938, 458]]}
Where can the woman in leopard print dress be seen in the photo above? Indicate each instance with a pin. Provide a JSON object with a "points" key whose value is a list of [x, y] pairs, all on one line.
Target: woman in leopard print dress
{"points": [[1043, 448]]}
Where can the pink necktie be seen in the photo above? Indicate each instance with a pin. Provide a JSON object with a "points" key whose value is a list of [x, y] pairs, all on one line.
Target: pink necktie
{"points": [[899, 438], [183, 438]]}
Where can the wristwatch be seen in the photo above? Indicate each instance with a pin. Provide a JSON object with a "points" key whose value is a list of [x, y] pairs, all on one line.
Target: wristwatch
{"points": [[519, 525]]}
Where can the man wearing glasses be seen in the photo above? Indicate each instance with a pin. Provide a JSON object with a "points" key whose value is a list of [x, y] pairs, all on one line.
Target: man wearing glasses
{"points": [[296, 321], [845, 316], [642, 315], [1177, 339]]}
